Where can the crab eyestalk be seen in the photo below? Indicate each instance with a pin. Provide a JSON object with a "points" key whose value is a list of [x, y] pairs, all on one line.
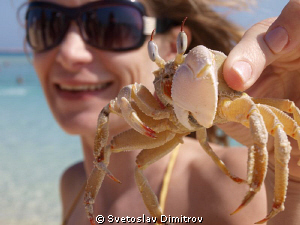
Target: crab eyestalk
{"points": [[153, 52], [181, 44]]}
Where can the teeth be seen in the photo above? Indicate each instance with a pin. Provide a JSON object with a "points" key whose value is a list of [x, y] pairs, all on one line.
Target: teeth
{"points": [[83, 87]]}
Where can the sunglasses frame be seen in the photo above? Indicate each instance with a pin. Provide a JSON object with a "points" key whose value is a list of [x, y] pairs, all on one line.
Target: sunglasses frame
{"points": [[74, 14]]}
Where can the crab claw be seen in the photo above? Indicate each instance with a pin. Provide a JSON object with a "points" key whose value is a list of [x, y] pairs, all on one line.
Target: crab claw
{"points": [[246, 200], [276, 209], [195, 86], [134, 121], [102, 167]]}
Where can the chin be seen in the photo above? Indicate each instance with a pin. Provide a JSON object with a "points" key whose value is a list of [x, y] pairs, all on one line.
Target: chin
{"points": [[85, 123], [78, 124], [78, 128]]}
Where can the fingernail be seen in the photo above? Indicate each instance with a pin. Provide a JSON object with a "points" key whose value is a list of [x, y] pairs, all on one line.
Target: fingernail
{"points": [[243, 69], [277, 39]]}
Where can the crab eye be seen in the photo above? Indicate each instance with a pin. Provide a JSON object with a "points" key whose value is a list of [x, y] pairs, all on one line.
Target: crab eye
{"points": [[181, 42], [153, 53], [152, 50], [182, 39]]}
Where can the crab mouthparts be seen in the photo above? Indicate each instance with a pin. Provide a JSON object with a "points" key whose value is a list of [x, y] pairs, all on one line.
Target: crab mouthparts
{"points": [[167, 88]]}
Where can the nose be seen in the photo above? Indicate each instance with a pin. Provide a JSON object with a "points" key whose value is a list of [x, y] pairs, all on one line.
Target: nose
{"points": [[73, 52]]}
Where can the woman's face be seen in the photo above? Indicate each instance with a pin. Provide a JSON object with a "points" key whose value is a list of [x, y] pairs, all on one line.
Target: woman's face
{"points": [[70, 72]]}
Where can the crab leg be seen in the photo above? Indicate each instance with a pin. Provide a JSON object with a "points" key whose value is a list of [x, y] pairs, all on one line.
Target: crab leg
{"points": [[282, 156], [148, 103], [94, 183], [290, 126], [281, 104], [155, 125], [102, 155], [243, 110], [102, 130], [286, 106], [144, 159], [129, 114], [102, 137], [202, 138], [137, 141]]}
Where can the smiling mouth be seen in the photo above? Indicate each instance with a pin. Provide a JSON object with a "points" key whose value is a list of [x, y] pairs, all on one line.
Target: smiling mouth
{"points": [[83, 88]]}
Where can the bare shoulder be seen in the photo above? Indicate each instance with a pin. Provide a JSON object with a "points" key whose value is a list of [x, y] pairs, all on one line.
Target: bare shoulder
{"points": [[71, 183], [200, 164], [206, 189], [233, 157]]}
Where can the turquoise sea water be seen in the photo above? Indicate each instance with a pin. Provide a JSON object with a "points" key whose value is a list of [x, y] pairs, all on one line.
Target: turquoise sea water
{"points": [[33, 149]]}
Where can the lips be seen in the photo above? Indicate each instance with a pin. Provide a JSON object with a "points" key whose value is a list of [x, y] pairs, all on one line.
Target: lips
{"points": [[80, 91], [85, 87]]}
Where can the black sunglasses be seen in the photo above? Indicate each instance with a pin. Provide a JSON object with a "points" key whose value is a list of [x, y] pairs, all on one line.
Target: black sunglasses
{"points": [[113, 25]]}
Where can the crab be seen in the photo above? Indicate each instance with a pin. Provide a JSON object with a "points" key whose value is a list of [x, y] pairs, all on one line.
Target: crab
{"points": [[191, 95]]}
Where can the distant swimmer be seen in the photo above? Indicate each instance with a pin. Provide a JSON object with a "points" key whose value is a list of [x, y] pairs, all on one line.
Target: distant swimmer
{"points": [[20, 80]]}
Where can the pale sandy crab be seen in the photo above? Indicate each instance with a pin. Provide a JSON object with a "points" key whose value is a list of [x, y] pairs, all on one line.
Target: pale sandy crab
{"points": [[191, 95]]}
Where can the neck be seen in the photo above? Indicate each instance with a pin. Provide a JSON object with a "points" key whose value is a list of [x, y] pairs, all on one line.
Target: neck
{"points": [[88, 157]]}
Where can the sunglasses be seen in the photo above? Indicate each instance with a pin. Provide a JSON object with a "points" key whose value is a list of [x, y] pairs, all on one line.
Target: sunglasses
{"points": [[113, 25]]}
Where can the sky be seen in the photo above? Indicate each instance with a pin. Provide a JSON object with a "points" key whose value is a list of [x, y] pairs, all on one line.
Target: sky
{"points": [[12, 34]]}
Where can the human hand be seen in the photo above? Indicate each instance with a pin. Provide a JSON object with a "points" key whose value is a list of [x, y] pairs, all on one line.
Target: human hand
{"points": [[266, 63]]}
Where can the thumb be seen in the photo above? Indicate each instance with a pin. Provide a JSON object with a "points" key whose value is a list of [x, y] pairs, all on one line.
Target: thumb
{"points": [[261, 45]]}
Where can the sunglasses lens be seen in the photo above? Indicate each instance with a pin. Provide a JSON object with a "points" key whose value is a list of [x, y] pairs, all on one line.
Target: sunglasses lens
{"points": [[108, 27], [45, 28], [113, 28]]}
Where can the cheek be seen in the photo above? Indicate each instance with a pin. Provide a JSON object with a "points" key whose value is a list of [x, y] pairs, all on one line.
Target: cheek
{"points": [[39, 68], [42, 64], [135, 66]]}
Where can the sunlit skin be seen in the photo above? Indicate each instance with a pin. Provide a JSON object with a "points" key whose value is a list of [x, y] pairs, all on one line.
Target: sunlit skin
{"points": [[205, 190]]}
